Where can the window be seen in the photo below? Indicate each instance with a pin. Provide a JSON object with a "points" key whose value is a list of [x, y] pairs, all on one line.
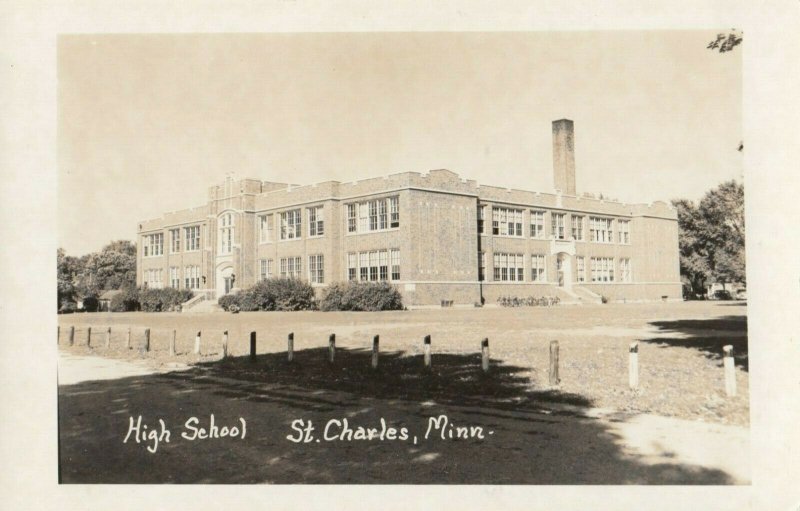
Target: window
{"points": [[291, 267], [174, 277], [175, 238], [363, 265], [154, 278], [625, 270], [351, 217], [557, 222], [316, 269], [481, 219], [363, 217], [373, 265], [153, 245], [600, 230], [509, 267], [383, 219], [265, 231], [537, 224], [192, 235], [352, 266], [624, 228], [580, 265], [191, 277], [538, 268], [226, 234], [506, 222], [602, 269], [394, 210], [394, 257], [266, 268], [316, 221], [481, 265], [291, 225], [577, 228]]}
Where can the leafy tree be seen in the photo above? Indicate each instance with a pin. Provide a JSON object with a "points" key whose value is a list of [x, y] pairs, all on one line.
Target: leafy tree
{"points": [[68, 268], [712, 236], [114, 267], [726, 42]]}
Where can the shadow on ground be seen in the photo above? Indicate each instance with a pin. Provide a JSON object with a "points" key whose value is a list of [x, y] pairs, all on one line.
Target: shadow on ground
{"points": [[708, 336], [531, 442]]}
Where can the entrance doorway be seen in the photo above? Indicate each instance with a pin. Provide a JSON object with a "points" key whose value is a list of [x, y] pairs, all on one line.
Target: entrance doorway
{"points": [[564, 270], [224, 281]]}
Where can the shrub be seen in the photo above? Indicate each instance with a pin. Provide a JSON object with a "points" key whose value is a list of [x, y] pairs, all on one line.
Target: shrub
{"points": [[225, 301], [67, 307], [126, 301], [604, 299], [90, 303], [361, 296], [162, 300], [276, 294]]}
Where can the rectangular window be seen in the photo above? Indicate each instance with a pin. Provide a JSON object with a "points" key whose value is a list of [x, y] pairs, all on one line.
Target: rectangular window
{"points": [[174, 277], [557, 222], [266, 269], [363, 217], [363, 266], [538, 268], [624, 229], [175, 238], [265, 230], [580, 265], [481, 266], [537, 224], [316, 270], [284, 267], [191, 276], [373, 265], [351, 218], [600, 230], [481, 219], [509, 267], [192, 235], [383, 218], [625, 270], [352, 266], [394, 259], [291, 225], [577, 228], [383, 265], [153, 245], [506, 222], [291, 267], [316, 221], [602, 269], [394, 211]]}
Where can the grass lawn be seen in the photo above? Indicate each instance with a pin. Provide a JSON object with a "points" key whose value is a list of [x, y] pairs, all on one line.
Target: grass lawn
{"points": [[680, 350]]}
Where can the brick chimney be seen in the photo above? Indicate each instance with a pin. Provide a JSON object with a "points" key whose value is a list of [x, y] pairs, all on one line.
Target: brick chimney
{"points": [[564, 156]]}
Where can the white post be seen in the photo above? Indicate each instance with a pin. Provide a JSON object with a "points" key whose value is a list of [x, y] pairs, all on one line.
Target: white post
{"points": [[485, 355], [225, 344], [633, 365], [730, 371], [129, 337], [197, 344], [426, 348], [108, 337], [172, 343]]}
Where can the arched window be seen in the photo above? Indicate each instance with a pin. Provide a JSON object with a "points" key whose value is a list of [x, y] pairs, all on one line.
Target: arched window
{"points": [[226, 228]]}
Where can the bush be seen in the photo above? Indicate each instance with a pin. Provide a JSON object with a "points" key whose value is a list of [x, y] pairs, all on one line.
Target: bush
{"points": [[91, 303], [67, 307], [361, 296], [604, 299], [276, 294], [126, 301], [162, 300], [225, 301]]}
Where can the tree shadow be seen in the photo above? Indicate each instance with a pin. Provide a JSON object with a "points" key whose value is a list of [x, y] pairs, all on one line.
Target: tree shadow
{"points": [[708, 336], [527, 436]]}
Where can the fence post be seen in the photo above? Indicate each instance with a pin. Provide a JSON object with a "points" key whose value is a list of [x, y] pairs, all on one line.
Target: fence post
{"points": [[633, 365], [730, 371], [426, 350], [485, 355], [146, 340], [375, 341], [172, 343], [89, 337], [225, 344], [331, 347], [108, 337], [252, 346], [197, 344], [71, 335], [554, 379], [290, 347], [129, 337], [58, 334]]}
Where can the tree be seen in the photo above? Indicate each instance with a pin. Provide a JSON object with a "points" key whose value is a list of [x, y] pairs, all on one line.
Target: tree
{"points": [[68, 268], [114, 267], [726, 42], [712, 236]]}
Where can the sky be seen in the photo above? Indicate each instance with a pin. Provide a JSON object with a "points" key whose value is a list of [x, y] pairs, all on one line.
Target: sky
{"points": [[147, 123]]}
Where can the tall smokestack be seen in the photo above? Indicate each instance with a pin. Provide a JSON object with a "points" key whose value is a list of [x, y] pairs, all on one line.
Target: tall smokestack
{"points": [[564, 156]]}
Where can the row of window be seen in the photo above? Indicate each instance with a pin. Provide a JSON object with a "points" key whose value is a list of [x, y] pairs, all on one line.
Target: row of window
{"points": [[154, 278], [511, 268], [509, 222], [374, 265], [373, 215], [293, 267]]}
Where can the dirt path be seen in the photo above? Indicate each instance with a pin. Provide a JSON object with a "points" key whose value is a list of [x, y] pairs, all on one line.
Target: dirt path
{"points": [[530, 442]]}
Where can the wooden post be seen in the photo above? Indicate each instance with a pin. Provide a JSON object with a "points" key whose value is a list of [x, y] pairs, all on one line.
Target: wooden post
{"points": [[426, 350], [290, 347], [633, 365], [331, 348], [554, 379], [225, 344], [108, 337], [129, 337], [58, 334], [252, 346], [89, 337], [197, 344], [485, 355], [71, 335], [375, 349], [730, 371], [146, 340], [172, 343]]}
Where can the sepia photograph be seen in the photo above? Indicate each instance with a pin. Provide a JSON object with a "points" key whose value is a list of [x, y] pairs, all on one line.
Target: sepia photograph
{"points": [[428, 258]]}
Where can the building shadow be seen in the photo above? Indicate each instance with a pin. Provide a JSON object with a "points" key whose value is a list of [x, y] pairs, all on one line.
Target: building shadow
{"points": [[526, 438], [708, 336]]}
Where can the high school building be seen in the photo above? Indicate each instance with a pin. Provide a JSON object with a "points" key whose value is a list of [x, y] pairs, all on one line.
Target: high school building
{"points": [[438, 237]]}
